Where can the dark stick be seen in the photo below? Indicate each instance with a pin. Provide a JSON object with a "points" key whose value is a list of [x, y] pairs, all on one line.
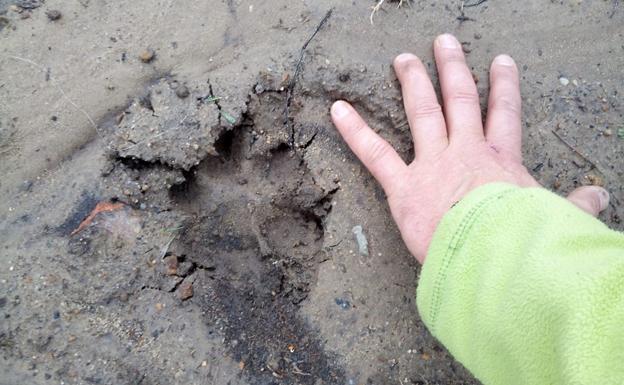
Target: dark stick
{"points": [[615, 4], [298, 68], [577, 152], [474, 4]]}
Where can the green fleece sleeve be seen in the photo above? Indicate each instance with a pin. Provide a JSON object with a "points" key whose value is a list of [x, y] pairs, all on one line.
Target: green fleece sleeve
{"points": [[522, 287]]}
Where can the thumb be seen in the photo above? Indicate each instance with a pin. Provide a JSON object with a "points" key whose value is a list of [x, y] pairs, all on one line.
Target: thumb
{"points": [[592, 199]]}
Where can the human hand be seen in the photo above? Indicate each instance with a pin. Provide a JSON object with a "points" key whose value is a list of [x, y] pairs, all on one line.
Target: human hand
{"points": [[454, 152]]}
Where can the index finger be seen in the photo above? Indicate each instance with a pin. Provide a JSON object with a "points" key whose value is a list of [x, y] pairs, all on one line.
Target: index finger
{"points": [[375, 153]]}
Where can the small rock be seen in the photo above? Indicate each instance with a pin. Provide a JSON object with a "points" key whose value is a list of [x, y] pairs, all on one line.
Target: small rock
{"points": [[172, 265], [595, 180], [186, 290], [147, 55], [477, 36], [361, 240], [26, 186], [185, 268], [564, 81], [29, 4], [343, 303], [344, 77], [54, 14], [182, 92], [607, 132]]}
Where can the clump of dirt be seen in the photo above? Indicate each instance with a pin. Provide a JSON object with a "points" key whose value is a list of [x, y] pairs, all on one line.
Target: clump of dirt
{"points": [[163, 127]]}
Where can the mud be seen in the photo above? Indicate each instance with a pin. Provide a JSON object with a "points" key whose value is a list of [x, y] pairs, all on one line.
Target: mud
{"points": [[188, 219]]}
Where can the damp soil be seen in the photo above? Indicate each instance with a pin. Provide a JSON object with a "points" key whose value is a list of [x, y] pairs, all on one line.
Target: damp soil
{"points": [[189, 218]]}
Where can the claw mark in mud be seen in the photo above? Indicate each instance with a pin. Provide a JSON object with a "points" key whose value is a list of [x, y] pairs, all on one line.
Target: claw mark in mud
{"points": [[258, 220]]}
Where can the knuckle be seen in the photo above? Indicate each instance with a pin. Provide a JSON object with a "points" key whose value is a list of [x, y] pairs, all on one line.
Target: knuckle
{"points": [[464, 96], [358, 127], [377, 150], [427, 108], [506, 103]]}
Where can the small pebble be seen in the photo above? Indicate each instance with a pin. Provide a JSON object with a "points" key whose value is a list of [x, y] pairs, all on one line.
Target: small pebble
{"points": [[361, 240], [564, 81], [54, 14], [343, 303], [147, 55], [182, 92], [607, 132], [186, 290]]}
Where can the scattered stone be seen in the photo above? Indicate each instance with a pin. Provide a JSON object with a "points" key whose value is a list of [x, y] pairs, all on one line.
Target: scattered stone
{"points": [[147, 55], [186, 290], [477, 36], [26, 186], [595, 180], [607, 132], [172, 265], [29, 4], [344, 77], [361, 240], [343, 303], [564, 81], [182, 92], [54, 14], [185, 268]]}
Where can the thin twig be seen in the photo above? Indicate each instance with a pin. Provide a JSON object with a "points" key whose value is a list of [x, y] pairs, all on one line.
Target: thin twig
{"points": [[165, 249], [58, 86], [377, 7], [476, 3], [576, 151], [615, 5], [298, 68]]}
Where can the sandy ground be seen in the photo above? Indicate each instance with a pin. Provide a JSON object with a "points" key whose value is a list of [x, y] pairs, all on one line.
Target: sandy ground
{"points": [[220, 247]]}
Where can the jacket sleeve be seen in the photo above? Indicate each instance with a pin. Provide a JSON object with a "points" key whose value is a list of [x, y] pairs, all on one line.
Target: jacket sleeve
{"points": [[522, 287]]}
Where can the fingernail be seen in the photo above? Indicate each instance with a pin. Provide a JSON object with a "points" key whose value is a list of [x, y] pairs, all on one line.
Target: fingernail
{"points": [[603, 195], [340, 109], [504, 60], [447, 41], [403, 58]]}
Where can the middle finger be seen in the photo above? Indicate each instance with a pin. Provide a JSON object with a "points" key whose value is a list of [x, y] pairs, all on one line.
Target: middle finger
{"points": [[461, 100]]}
